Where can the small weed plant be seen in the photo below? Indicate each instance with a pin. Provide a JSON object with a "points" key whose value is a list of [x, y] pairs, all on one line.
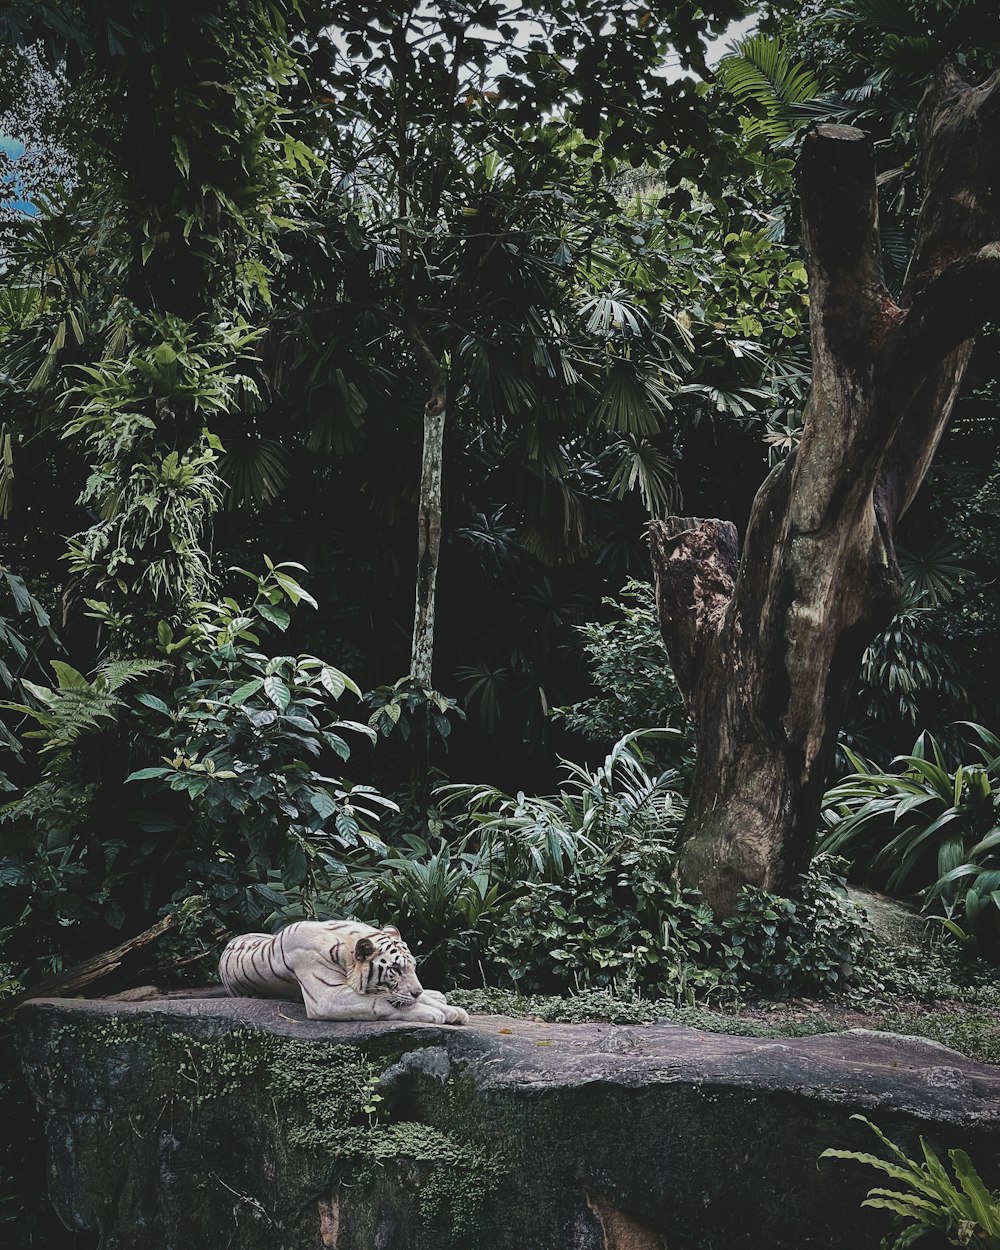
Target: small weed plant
{"points": [[926, 1199]]}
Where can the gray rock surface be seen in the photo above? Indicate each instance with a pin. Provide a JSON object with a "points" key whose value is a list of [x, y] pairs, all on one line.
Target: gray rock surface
{"points": [[209, 1123], [896, 925]]}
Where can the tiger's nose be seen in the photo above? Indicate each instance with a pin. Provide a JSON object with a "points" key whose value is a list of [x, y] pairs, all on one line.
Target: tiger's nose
{"points": [[416, 993]]}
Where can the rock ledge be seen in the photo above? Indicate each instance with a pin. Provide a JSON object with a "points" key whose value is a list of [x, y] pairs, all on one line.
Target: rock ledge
{"points": [[211, 1122]]}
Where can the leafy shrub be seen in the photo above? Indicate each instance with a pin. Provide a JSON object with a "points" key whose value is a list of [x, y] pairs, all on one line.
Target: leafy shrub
{"points": [[224, 788], [576, 892], [539, 838], [925, 830], [616, 922], [813, 944], [449, 896], [966, 1213], [248, 749], [621, 922], [631, 672], [909, 674], [445, 898]]}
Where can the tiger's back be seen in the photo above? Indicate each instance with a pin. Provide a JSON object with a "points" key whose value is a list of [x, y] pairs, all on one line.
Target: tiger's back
{"points": [[253, 965], [262, 965]]}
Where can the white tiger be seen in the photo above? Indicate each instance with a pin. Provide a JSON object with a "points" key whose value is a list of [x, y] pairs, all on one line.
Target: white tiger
{"points": [[342, 970]]}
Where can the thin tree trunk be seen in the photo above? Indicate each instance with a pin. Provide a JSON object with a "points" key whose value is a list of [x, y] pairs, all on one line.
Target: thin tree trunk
{"points": [[766, 648], [428, 548], [428, 513]]}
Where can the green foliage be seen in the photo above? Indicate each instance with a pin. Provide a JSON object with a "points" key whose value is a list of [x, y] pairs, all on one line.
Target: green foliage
{"points": [[966, 1027], [760, 73], [451, 896], [575, 892], [406, 703], [75, 707], [925, 829], [627, 1007], [145, 553], [909, 673], [630, 670], [970, 1027], [595, 807], [446, 897], [24, 627], [617, 922], [816, 943], [620, 922], [928, 1199], [222, 788]]}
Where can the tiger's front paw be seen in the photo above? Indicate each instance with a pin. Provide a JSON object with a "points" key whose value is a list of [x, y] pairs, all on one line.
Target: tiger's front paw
{"points": [[432, 1009], [453, 1015]]}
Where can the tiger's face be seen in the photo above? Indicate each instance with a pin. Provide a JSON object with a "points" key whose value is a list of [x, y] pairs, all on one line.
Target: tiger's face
{"points": [[385, 967]]}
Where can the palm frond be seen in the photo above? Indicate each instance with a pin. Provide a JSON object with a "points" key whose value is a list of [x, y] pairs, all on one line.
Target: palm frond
{"points": [[760, 73], [643, 467], [255, 470], [934, 574], [882, 15], [499, 385], [632, 400]]}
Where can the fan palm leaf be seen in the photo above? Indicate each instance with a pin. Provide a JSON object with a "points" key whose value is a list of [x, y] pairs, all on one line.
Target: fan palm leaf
{"points": [[255, 470]]}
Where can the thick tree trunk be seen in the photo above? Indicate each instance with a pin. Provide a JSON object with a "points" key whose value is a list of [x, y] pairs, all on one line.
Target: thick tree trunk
{"points": [[766, 650]]}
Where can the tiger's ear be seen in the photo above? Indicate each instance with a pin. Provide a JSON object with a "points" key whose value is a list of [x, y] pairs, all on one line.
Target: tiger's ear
{"points": [[364, 949], [390, 930]]}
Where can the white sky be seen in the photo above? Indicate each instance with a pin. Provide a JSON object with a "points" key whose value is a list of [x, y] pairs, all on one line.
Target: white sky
{"points": [[716, 49]]}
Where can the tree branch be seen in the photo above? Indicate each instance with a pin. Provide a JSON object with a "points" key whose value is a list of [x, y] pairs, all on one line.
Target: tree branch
{"points": [[950, 309], [840, 227], [437, 398], [959, 138], [90, 970], [849, 309]]}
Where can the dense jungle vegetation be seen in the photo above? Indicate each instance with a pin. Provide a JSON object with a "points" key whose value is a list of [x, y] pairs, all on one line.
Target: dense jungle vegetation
{"points": [[248, 253]]}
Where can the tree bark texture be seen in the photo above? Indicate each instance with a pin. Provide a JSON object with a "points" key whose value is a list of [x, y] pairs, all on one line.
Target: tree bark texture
{"points": [[428, 548], [428, 512], [766, 648]]}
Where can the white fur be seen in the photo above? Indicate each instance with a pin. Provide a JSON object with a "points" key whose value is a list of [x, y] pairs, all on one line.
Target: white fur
{"points": [[342, 970]]}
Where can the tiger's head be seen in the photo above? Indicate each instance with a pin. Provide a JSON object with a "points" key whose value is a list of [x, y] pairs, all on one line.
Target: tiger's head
{"points": [[383, 965]]}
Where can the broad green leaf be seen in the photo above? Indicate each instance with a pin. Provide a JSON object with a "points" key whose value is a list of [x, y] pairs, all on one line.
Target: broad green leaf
{"points": [[151, 701], [244, 692], [277, 692], [68, 677]]}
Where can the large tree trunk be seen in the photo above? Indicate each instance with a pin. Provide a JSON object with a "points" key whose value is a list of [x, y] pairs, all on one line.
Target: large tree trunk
{"points": [[766, 648]]}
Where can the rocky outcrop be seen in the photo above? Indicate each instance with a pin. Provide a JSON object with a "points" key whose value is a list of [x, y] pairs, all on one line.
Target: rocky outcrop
{"points": [[210, 1123], [897, 927]]}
